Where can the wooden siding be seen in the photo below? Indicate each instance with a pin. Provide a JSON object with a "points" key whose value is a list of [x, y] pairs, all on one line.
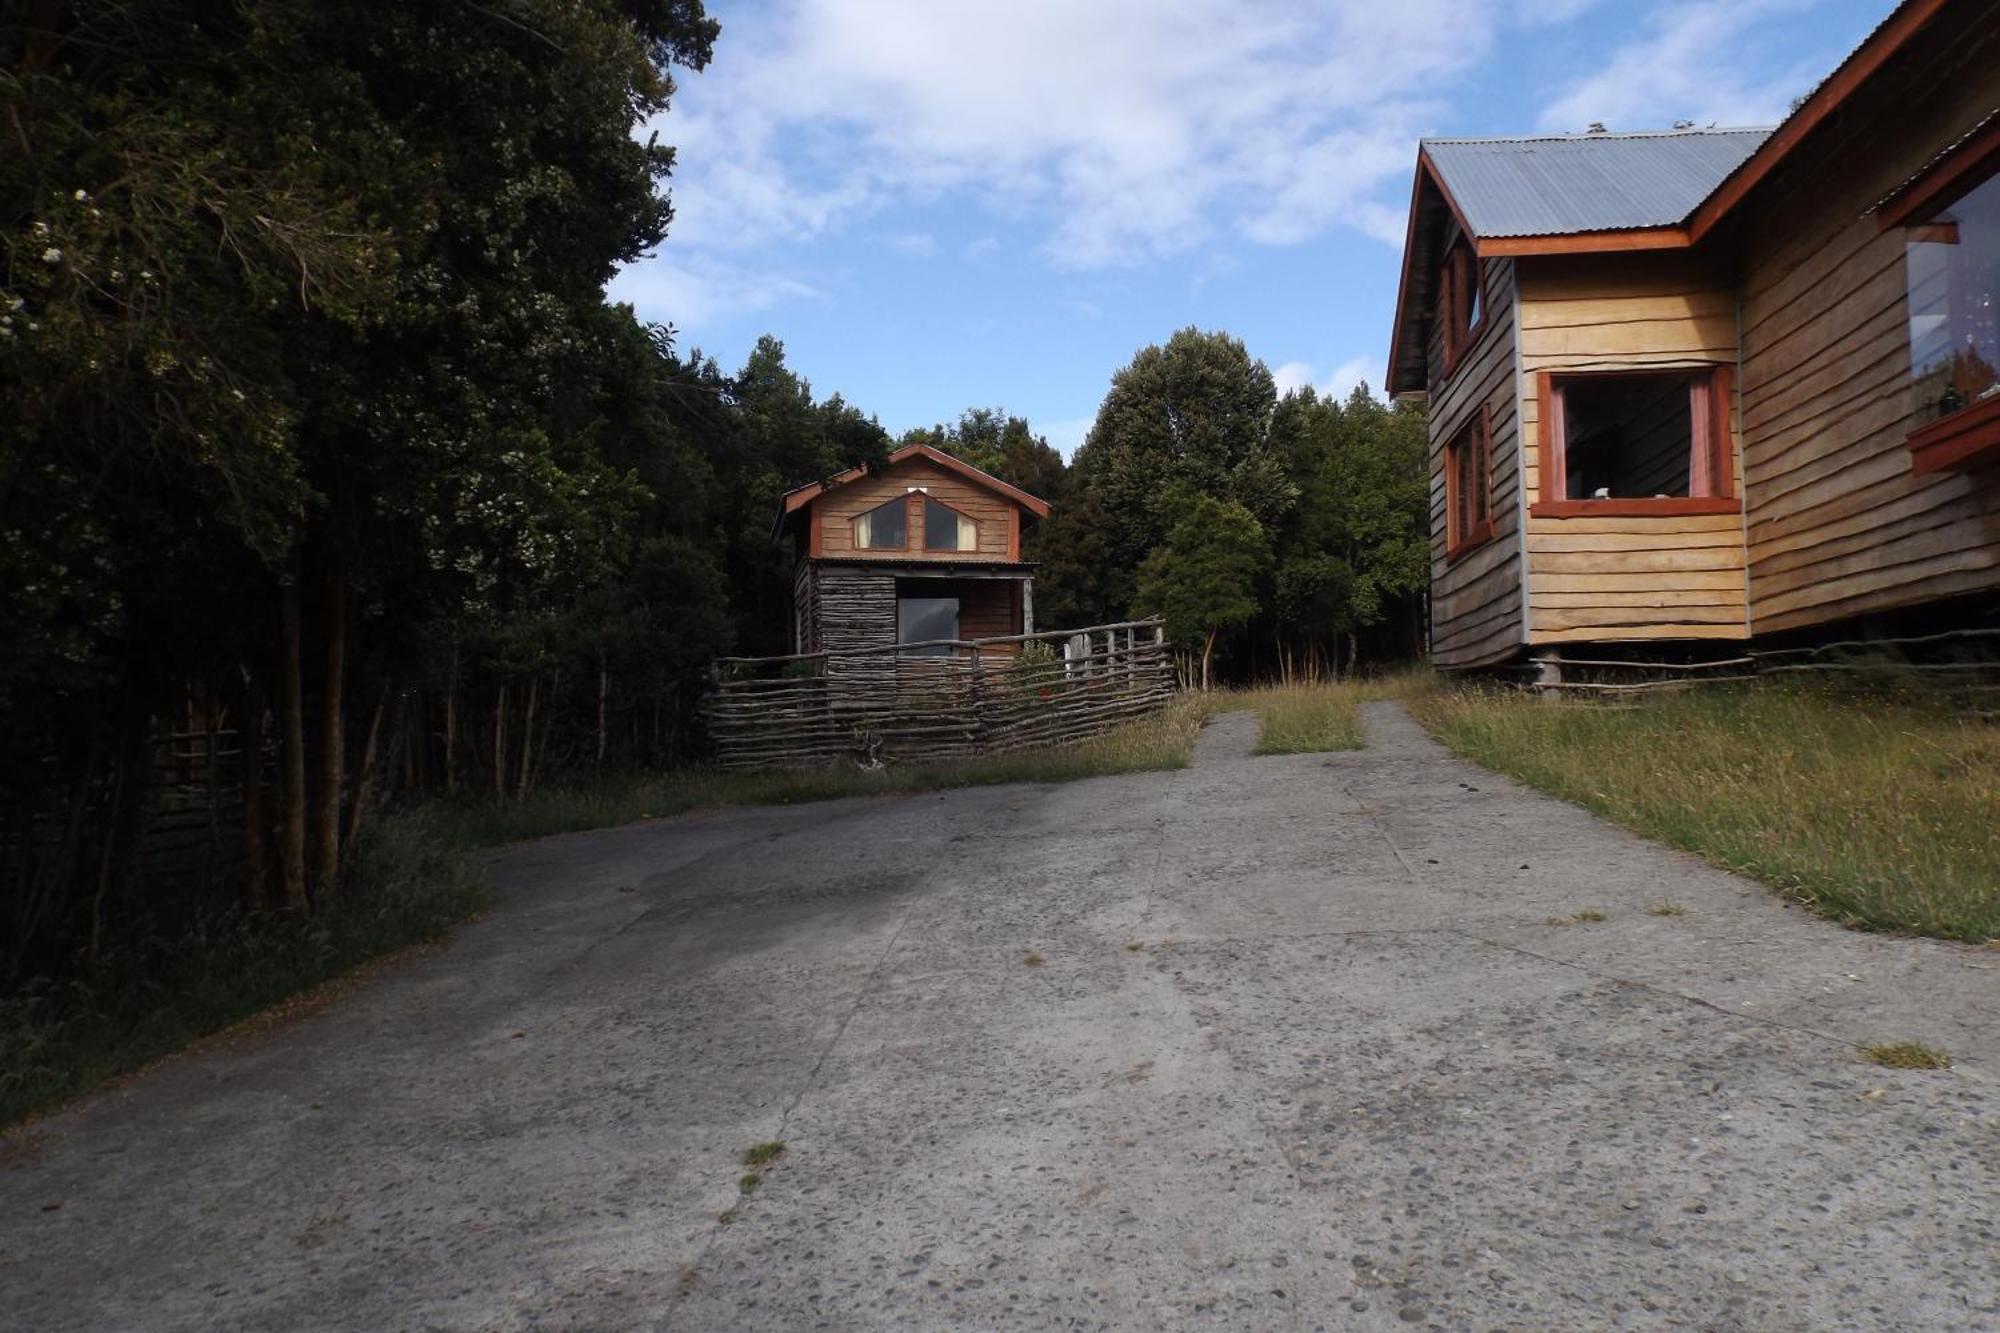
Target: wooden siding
{"points": [[998, 518], [1476, 599], [847, 608], [1609, 578], [1837, 524]]}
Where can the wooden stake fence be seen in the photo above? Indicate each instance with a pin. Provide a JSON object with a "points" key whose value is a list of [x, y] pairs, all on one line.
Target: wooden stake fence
{"points": [[937, 701]]}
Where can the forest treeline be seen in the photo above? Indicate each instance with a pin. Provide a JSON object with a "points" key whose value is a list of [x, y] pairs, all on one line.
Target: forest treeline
{"points": [[330, 477]]}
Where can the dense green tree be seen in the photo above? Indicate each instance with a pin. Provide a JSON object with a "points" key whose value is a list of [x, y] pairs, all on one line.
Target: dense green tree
{"points": [[1194, 412], [1204, 578], [1354, 555]]}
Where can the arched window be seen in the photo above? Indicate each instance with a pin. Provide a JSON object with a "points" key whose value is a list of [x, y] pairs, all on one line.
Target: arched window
{"points": [[884, 528], [945, 529]]}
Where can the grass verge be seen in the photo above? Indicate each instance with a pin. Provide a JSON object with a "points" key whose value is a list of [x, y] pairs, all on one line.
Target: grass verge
{"points": [[151, 996], [1874, 808], [1310, 719]]}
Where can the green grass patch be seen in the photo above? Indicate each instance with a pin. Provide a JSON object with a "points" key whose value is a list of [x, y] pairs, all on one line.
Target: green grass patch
{"points": [[1317, 717], [1874, 807], [763, 1154], [148, 997], [1907, 1055]]}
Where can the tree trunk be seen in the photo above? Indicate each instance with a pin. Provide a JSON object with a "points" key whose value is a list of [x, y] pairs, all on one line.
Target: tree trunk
{"points": [[528, 740], [603, 701], [128, 809], [291, 703], [500, 743], [326, 874], [250, 737], [364, 782], [1207, 651], [451, 724]]}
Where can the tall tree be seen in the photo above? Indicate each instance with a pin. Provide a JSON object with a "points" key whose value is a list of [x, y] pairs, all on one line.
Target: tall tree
{"points": [[1204, 578]]}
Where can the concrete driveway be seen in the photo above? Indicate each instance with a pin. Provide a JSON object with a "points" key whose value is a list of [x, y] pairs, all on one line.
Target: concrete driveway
{"points": [[1301, 1050]]}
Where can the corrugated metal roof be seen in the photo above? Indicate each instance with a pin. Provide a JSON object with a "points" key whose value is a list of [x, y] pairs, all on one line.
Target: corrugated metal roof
{"points": [[1558, 185]]}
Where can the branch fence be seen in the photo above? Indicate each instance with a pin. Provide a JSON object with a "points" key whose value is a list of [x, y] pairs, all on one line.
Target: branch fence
{"points": [[936, 701]]}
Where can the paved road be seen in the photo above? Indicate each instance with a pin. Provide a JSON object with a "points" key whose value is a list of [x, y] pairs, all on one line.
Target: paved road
{"points": [[1302, 1051]]}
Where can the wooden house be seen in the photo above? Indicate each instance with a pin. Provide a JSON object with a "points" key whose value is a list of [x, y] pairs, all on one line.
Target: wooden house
{"points": [[925, 548], [1712, 385]]}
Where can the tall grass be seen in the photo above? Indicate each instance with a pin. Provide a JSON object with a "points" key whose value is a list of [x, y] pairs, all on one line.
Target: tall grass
{"points": [[1879, 808], [1310, 718]]}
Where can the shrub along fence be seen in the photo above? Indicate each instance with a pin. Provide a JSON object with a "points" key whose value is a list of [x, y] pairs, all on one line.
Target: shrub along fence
{"points": [[937, 701]]}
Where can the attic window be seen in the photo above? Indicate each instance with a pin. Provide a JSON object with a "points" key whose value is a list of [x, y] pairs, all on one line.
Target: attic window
{"points": [[1635, 443], [1461, 301], [1953, 270], [945, 529], [884, 528]]}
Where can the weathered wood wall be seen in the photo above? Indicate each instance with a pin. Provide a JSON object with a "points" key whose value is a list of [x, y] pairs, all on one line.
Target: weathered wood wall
{"points": [[848, 607], [1476, 601], [851, 608], [869, 708], [1610, 578], [999, 519], [1838, 526]]}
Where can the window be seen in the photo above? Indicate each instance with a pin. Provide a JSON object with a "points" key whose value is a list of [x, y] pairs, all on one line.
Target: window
{"points": [[1461, 301], [945, 529], [885, 527], [1468, 491], [921, 619], [1953, 267], [1636, 443]]}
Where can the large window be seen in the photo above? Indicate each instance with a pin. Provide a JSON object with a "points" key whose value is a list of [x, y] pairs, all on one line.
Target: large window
{"points": [[922, 619], [1953, 265], [1461, 302], [885, 527], [1635, 442], [945, 529], [1468, 489]]}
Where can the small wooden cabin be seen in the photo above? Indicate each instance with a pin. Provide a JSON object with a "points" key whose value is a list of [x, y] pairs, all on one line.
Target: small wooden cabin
{"points": [[926, 548], [1702, 385]]}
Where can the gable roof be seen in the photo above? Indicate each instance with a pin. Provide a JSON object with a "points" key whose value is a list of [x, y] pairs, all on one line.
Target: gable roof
{"points": [[1559, 185], [1603, 192], [796, 499]]}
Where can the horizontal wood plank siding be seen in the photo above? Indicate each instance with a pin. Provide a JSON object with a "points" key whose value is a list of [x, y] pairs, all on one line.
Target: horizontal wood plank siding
{"points": [[998, 517], [1599, 577], [1476, 599], [1838, 525]]}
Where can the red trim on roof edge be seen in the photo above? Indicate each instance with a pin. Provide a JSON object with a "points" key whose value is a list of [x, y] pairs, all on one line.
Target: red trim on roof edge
{"points": [[802, 495], [1894, 32]]}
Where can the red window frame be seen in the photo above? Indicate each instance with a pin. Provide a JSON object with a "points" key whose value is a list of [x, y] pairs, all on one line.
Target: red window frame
{"points": [[1721, 499], [1462, 278], [1971, 435], [1468, 515]]}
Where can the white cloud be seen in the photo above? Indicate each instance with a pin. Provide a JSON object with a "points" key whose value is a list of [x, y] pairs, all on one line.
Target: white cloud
{"points": [[1697, 61], [1115, 131], [918, 243], [1337, 383], [692, 291]]}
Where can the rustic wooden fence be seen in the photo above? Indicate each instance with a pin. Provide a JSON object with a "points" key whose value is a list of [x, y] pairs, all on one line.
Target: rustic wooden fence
{"points": [[937, 701]]}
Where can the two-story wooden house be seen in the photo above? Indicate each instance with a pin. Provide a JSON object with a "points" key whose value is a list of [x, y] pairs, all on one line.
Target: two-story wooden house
{"points": [[926, 548], [1704, 385]]}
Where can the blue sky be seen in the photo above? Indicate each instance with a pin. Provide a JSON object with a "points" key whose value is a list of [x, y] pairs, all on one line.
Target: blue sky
{"points": [[942, 204]]}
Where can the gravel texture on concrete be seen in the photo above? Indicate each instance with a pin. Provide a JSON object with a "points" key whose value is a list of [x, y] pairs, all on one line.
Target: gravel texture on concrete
{"points": [[1267, 1043]]}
